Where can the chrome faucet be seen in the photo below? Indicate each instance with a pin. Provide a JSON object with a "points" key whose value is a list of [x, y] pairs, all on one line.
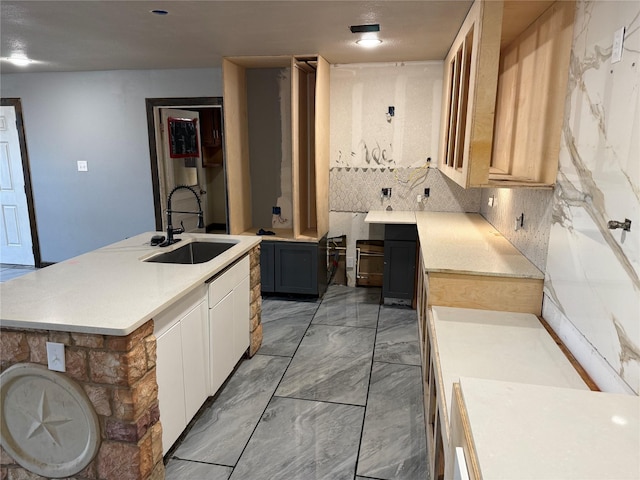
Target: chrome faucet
{"points": [[170, 230]]}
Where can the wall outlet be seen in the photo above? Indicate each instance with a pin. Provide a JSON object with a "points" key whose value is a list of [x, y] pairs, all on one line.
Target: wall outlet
{"points": [[491, 201], [618, 43], [349, 262], [55, 356], [83, 166]]}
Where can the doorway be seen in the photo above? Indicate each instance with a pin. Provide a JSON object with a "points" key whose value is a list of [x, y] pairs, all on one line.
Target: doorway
{"points": [[18, 233], [205, 169]]}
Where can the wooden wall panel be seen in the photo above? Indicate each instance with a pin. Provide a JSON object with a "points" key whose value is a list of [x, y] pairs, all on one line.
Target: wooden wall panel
{"points": [[296, 94], [322, 147], [486, 292], [237, 147], [531, 91]]}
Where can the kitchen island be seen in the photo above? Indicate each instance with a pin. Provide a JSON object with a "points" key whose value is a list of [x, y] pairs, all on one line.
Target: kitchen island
{"points": [[107, 308]]}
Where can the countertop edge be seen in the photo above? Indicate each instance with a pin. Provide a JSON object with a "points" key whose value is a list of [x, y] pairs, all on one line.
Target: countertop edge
{"points": [[217, 266]]}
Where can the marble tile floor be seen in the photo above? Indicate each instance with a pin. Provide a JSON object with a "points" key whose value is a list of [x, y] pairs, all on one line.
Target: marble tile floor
{"points": [[9, 272], [334, 393]]}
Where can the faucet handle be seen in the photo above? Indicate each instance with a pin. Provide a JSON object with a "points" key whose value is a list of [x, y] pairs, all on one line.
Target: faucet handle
{"points": [[180, 229]]}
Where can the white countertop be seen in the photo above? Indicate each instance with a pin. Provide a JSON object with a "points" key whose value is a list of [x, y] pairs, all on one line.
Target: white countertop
{"points": [[507, 346], [466, 243], [391, 217], [535, 432], [463, 243], [109, 291]]}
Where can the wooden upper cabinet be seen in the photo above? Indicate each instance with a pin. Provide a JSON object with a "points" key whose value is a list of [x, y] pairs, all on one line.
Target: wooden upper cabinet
{"points": [[504, 93]]}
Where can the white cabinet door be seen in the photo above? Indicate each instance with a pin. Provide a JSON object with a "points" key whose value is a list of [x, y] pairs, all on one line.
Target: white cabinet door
{"points": [[170, 378], [195, 358], [222, 349], [241, 318]]}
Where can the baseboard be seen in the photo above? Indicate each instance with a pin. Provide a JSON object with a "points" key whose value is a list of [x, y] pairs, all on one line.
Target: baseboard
{"points": [[585, 353]]}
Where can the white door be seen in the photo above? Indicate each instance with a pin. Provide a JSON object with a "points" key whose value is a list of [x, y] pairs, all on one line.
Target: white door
{"points": [[170, 378], [221, 334], [15, 245], [195, 358], [182, 171]]}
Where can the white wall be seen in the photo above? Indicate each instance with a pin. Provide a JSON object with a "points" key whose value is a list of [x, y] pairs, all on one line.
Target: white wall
{"points": [[361, 133], [369, 151], [99, 117]]}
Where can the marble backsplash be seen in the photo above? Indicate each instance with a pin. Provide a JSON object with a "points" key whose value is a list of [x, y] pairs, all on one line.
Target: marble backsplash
{"points": [[532, 238], [592, 286]]}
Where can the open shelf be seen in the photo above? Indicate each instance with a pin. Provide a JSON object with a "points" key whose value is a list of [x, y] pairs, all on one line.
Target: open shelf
{"points": [[263, 169]]}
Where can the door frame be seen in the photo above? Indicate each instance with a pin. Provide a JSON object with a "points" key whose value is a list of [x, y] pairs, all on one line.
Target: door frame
{"points": [[185, 102], [16, 103]]}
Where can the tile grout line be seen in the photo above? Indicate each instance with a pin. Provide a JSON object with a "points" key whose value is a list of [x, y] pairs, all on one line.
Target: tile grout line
{"points": [[273, 394], [366, 403]]}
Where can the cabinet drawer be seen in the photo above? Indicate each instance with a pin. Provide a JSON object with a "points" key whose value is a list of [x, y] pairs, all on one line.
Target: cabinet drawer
{"points": [[169, 317], [222, 284], [401, 232]]}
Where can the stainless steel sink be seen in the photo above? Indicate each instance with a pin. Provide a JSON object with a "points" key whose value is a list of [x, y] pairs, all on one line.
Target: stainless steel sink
{"points": [[192, 253]]}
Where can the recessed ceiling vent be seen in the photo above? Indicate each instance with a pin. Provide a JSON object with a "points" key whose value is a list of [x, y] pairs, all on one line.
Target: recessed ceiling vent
{"points": [[374, 27]]}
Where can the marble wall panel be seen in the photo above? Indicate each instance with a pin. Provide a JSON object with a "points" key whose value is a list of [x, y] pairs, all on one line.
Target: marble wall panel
{"points": [[592, 273]]}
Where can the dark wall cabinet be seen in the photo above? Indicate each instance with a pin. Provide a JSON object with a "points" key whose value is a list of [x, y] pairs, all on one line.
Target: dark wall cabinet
{"points": [[293, 267], [400, 243]]}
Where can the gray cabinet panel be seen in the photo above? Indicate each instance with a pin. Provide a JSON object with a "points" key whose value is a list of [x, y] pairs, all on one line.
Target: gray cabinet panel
{"points": [[267, 267], [399, 261], [399, 269], [294, 267]]}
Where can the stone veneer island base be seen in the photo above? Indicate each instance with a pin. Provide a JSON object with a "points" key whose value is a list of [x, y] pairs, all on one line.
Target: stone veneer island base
{"points": [[118, 375]]}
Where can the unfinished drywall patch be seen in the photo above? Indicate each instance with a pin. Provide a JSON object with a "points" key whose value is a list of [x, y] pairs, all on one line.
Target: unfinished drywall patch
{"points": [[363, 131], [269, 120], [285, 200]]}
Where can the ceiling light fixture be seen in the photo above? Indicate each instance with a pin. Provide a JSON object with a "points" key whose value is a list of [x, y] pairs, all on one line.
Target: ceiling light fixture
{"points": [[370, 38], [369, 42], [18, 60], [160, 12]]}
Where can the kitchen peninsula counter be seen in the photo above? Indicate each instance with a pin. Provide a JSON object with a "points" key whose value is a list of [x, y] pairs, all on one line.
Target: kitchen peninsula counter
{"points": [[461, 243], [141, 344], [466, 243], [109, 291]]}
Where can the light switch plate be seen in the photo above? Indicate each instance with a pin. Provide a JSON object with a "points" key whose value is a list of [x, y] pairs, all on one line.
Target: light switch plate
{"points": [[83, 166], [349, 262], [55, 356], [618, 43]]}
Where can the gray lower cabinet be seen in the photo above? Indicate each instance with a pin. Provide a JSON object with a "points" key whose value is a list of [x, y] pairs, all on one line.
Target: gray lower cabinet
{"points": [[400, 243], [267, 267], [293, 267]]}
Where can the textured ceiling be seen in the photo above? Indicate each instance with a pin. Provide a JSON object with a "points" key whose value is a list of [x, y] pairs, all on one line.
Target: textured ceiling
{"points": [[113, 35]]}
